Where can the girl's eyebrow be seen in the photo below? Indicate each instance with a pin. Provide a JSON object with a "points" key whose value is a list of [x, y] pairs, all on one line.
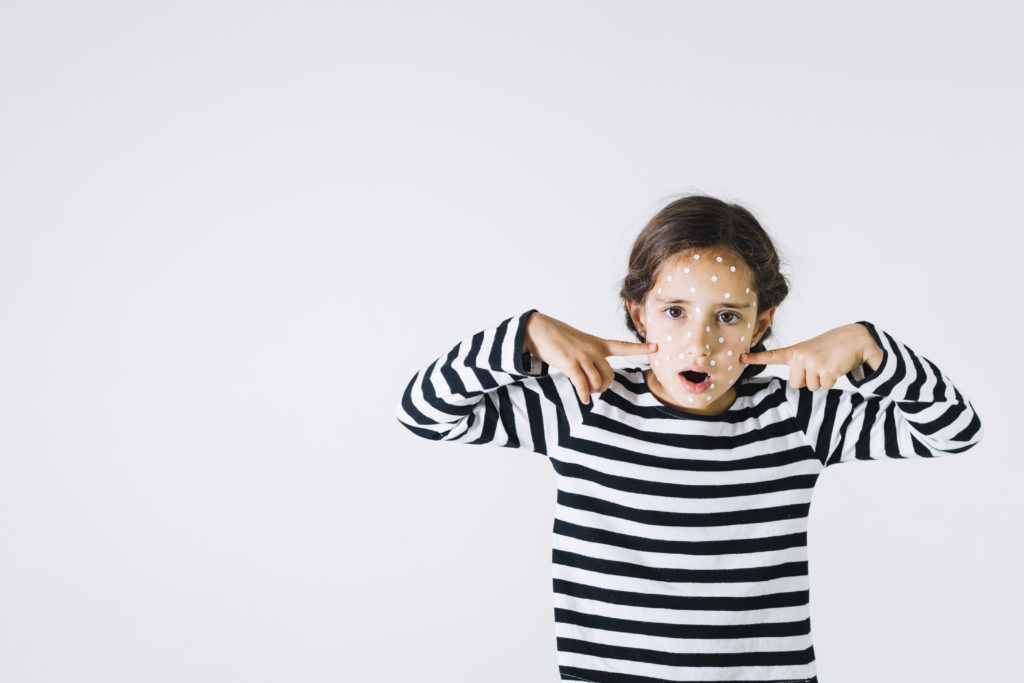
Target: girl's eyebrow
{"points": [[721, 304]]}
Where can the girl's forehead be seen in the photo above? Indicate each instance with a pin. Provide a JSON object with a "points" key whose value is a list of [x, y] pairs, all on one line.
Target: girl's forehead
{"points": [[714, 259]]}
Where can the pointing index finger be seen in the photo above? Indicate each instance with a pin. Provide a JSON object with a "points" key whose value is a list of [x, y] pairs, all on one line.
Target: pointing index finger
{"points": [[768, 357], [614, 347]]}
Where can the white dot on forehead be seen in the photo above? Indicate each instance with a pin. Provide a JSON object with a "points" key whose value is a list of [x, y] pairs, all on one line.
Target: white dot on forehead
{"points": [[733, 269], [721, 339], [719, 259], [714, 278], [696, 256]]}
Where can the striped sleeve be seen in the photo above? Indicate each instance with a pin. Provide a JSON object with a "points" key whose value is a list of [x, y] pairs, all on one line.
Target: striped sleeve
{"points": [[486, 390], [906, 408]]}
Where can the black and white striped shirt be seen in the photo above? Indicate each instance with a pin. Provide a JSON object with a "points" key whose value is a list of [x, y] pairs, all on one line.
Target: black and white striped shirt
{"points": [[679, 547]]}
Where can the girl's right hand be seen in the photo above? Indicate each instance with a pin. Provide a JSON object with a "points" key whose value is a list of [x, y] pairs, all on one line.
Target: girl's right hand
{"points": [[581, 356]]}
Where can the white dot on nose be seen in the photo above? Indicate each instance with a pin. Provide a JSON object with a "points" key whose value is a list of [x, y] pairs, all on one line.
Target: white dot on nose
{"points": [[721, 339]]}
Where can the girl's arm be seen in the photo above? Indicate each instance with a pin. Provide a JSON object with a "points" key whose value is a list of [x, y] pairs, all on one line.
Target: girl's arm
{"points": [[488, 390], [904, 408]]}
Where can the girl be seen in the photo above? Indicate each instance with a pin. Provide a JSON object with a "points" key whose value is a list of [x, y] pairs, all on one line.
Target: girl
{"points": [[679, 543]]}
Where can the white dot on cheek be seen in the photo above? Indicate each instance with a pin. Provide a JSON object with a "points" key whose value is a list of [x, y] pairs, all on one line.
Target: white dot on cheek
{"points": [[671, 388], [727, 295], [747, 291], [670, 278], [659, 290], [686, 269], [721, 339], [712, 362], [714, 278], [655, 362], [744, 337], [729, 352], [680, 356], [693, 289], [733, 269], [729, 368]]}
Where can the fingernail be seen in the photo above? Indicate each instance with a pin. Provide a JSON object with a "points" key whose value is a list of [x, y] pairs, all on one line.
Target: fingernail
{"points": [[651, 345]]}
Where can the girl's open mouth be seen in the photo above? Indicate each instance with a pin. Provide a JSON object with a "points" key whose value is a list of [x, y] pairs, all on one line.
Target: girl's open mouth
{"points": [[695, 381]]}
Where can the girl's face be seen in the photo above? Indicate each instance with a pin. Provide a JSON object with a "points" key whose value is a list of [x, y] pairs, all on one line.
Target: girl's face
{"points": [[702, 312]]}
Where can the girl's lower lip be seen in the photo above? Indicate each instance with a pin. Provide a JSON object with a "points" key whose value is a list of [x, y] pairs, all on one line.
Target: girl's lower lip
{"points": [[693, 387]]}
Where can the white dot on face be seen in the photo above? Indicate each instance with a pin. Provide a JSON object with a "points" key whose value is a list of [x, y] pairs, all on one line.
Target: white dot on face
{"points": [[693, 289], [707, 328], [747, 291], [721, 339], [714, 278], [687, 334], [669, 338], [709, 398], [727, 295], [729, 368], [680, 356], [659, 290], [712, 362], [655, 362], [730, 381], [698, 309], [671, 388], [729, 352], [732, 268], [743, 337], [686, 269], [719, 259], [668, 357], [670, 278], [696, 256], [748, 326], [712, 386], [691, 399]]}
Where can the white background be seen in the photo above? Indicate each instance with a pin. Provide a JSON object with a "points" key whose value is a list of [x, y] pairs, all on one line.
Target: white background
{"points": [[231, 232]]}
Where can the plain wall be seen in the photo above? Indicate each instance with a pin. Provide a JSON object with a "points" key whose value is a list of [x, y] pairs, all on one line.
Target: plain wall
{"points": [[231, 232]]}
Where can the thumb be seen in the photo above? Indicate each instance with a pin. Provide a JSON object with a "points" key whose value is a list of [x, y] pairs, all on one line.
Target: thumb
{"points": [[614, 347], [768, 357]]}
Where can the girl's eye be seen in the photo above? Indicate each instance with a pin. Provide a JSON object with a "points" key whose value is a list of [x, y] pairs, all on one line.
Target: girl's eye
{"points": [[735, 317], [674, 308]]}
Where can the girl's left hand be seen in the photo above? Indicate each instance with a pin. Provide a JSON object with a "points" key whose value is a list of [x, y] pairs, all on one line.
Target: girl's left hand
{"points": [[820, 361]]}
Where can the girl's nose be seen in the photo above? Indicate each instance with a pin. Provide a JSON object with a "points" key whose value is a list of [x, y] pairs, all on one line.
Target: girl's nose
{"points": [[698, 344]]}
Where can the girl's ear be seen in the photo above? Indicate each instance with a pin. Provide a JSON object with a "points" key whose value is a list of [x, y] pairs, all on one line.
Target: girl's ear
{"points": [[764, 320], [639, 316]]}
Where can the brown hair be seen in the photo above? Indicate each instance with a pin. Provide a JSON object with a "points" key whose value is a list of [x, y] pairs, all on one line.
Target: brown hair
{"points": [[701, 221]]}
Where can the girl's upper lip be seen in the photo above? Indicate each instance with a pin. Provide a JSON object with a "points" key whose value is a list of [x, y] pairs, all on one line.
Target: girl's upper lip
{"points": [[696, 368]]}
